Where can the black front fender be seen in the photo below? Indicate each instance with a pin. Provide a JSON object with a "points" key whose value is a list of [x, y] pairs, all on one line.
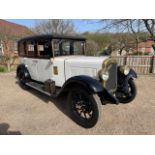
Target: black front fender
{"points": [[123, 80], [132, 74], [122, 77], [92, 86], [89, 83]]}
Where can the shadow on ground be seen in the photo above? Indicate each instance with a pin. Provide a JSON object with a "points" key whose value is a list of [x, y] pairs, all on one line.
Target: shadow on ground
{"points": [[4, 130], [60, 102]]}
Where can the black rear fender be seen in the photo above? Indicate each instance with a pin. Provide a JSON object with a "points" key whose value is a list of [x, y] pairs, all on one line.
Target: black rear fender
{"points": [[23, 68]]}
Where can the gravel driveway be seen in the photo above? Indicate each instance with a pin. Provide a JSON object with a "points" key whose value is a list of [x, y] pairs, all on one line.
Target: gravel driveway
{"points": [[30, 112]]}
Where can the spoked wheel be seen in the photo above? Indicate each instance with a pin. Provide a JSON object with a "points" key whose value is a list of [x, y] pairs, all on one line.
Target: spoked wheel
{"points": [[130, 96], [22, 79], [84, 108]]}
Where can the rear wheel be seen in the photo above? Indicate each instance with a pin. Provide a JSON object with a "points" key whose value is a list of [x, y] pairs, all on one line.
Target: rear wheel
{"points": [[22, 79], [84, 108]]}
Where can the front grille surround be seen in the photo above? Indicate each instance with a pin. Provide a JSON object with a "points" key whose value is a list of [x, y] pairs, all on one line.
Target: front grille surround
{"points": [[110, 66], [111, 83]]}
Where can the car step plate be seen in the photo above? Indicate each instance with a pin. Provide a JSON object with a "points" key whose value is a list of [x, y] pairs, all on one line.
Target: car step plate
{"points": [[38, 87]]}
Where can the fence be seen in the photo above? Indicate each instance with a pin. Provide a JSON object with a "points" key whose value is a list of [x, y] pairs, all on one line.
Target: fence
{"points": [[141, 64]]}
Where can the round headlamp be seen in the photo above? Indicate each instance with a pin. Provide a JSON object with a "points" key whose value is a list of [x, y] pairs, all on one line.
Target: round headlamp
{"points": [[125, 70], [105, 76]]}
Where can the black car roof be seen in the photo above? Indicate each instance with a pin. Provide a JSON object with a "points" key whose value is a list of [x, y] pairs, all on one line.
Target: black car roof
{"points": [[37, 37]]}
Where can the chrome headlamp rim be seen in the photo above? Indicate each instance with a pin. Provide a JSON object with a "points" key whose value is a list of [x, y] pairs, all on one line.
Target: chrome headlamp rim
{"points": [[104, 75], [125, 69]]}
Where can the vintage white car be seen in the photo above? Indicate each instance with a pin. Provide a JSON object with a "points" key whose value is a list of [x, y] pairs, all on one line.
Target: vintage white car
{"points": [[55, 64]]}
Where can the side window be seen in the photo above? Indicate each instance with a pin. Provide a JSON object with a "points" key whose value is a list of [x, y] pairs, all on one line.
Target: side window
{"points": [[30, 48], [56, 47], [78, 47], [66, 46], [61, 47], [44, 48]]}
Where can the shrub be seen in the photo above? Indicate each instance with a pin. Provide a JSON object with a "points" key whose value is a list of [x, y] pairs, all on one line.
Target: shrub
{"points": [[2, 69]]}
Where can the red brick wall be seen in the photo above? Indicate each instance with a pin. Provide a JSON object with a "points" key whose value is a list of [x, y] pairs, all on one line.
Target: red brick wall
{"points": [[146, 46]]}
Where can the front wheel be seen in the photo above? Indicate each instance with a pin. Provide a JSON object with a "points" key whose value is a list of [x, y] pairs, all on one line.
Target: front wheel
{"points": [[84, 108], [130, 96]]}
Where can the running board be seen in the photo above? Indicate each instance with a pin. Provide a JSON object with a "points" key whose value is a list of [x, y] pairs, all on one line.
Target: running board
{"points": [[38, 87]]}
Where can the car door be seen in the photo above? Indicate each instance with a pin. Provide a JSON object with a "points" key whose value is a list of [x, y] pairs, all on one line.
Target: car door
{"points": [[44, 64], [32, 68], [31, 60]]}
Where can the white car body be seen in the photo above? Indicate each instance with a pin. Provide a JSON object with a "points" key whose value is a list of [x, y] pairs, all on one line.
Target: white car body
{"points": [[68, 66], [53, 64]]}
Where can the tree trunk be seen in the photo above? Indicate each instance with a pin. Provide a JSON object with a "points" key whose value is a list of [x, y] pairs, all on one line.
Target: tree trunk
{"points": [[120, 51], [148, 27], [8, 65]]}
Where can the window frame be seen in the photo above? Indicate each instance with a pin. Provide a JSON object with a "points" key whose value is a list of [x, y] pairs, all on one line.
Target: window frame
{"points": [[84, 46], [50, 45], [36, 55], [24, 52], [71, 46], [34, 52]]}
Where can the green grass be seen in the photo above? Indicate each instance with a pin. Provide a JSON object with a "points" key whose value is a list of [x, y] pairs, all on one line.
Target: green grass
{"points": [[2, 69]]}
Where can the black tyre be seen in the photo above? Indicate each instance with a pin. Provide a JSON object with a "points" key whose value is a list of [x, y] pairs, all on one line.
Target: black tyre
{"points": [[22, 79], [126, 98], [84, 108]]}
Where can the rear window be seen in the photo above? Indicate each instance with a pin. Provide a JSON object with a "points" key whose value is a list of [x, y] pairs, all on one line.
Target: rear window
{"points": [[31, 48], [35, 49]]}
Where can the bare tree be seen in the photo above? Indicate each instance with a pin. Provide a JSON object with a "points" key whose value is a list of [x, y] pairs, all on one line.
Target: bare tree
{"points": [[54, 26], [134, 26], [6, 41], [91, 47], [150, 26]]}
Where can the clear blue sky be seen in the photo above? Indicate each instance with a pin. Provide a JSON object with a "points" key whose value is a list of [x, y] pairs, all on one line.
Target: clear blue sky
{"points": [[81, 25]]}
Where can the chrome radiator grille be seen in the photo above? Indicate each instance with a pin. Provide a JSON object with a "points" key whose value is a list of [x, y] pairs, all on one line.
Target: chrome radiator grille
{"points": [[111, 83]]}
